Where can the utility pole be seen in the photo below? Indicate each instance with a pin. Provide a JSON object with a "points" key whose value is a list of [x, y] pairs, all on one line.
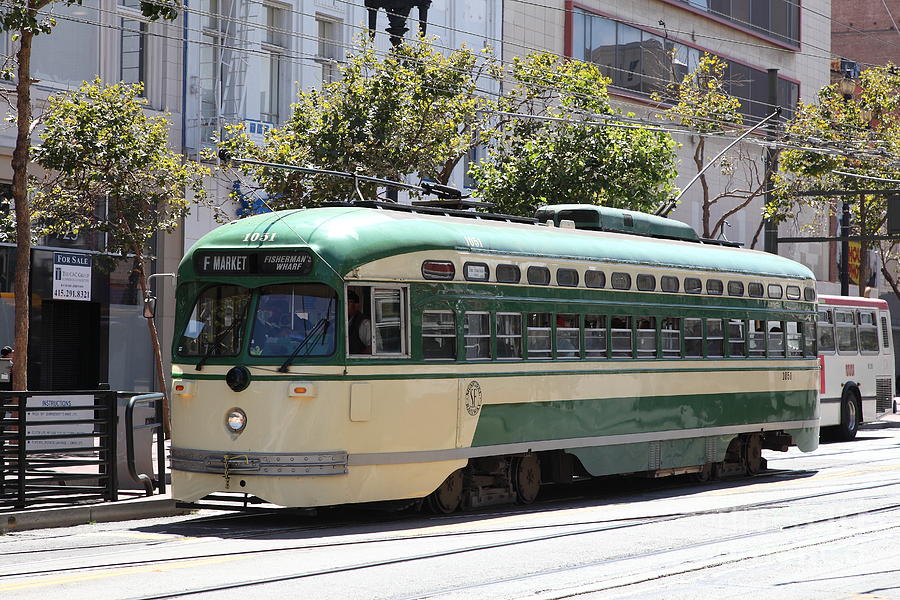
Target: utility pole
{"points": [[845, 248], [770, 243]]}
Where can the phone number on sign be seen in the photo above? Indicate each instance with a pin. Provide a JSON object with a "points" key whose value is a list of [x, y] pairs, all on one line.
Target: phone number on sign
{"points": [[80, 294]]}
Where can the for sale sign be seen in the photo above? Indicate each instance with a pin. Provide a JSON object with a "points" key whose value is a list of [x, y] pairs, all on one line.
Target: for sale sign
{"points": [[71, 276]]}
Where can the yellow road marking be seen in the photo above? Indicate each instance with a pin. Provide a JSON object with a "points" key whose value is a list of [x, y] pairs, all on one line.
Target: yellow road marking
{"points": [[31, 583]]}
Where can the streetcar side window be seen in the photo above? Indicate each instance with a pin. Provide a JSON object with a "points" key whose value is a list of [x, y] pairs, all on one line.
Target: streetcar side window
{"points": [[868, 332], [595, 336], [509, 335], [669, 283], [508, 274], [845, 331], [826, 331], [621, 281], [621, 338], [646, 337], [539, 336], [755, 289], [594, 279], [808, 328], [715, 338], [692, 285], [714, 287], [809, 294], [792, 292], [775, 291], [538, 275], [646, 283], [294, 320], [670, 337], [693, 338], [735, 288], [776, 338], [794, 341], [388, 310], [757, 331], [567, 336], [567, 277], [737, 343], [439, 335], [477, 335]]}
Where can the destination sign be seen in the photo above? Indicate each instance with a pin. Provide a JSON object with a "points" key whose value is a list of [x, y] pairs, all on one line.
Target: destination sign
{"points": [[288, 262]]}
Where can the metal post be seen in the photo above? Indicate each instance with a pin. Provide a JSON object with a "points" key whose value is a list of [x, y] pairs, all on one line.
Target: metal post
{"points": [[845, 248], [22, 457], [770, 238]]}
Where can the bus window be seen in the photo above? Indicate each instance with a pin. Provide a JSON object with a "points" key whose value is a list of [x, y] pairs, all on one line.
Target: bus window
{"points": [[438, 335], [757, 338], [646, 337], [567, 334], [294, 316], [692, 285], [670, 337], [868, 332], [693, 337], [776, 337], [620, 336], [539, 335], [388, 322], [216, 325], [477, 335], [594, 279], [595, 336], [737, 344], [715, 338], [808, 329], [509, 335], [794, 341], [826, 331], [845, 331]]}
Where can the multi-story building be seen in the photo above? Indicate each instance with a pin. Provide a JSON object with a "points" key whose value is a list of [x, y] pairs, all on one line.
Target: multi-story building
{"points": [[644, 45]]}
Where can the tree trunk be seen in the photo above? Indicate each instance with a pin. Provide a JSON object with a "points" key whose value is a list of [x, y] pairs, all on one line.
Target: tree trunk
{"points": [[157, 352], [23, 211], [699, 159]]}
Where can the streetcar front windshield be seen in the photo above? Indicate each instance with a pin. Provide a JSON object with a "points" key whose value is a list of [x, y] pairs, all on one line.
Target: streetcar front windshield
{"points": [[216, 326], [294, 319]]}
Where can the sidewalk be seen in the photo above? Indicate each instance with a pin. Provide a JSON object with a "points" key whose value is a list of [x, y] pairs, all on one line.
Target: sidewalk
{"points": [[146, 507], [883, 421]]}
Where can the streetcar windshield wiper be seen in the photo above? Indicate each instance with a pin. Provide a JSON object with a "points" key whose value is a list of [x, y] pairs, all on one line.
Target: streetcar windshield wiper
{"points": [[216, 342], [309, 342]]}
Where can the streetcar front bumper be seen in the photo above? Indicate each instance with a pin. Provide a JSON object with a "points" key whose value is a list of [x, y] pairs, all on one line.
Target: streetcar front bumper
{"points": [[259, 463]]}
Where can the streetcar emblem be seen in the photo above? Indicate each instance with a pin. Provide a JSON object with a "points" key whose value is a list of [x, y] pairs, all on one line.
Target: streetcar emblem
{"points": [[473, 398]]}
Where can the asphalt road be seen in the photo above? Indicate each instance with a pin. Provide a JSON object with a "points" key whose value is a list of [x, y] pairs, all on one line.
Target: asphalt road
{"points": [[820, 525]]}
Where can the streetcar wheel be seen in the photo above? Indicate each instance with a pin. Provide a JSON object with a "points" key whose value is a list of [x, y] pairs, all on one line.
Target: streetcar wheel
{"points": [[704, 474], [850, 417], [448, 496], [753, 454], [526, 471]]}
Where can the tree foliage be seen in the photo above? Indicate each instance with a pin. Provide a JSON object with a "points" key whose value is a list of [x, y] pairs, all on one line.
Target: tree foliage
{"points": [[552, 145], [701, 102], [413, 111], [843, 143]]}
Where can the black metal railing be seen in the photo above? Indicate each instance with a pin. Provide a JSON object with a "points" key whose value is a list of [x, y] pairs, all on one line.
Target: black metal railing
{"points": [[155, 424], [57, 447]]}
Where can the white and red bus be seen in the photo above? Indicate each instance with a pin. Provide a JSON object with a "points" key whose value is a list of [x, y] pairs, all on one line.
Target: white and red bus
{"points": [[857, 363]]}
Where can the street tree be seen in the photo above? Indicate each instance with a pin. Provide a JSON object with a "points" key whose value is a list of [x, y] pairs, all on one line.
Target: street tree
{"points": [[555, 140], [25, 19], [411, 111], [109, 169], [701, 102], [846, 142]]}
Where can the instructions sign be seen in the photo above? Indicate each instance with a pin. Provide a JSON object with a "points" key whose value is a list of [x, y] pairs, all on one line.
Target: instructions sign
{"points": [[71, 276], [41, 422]]}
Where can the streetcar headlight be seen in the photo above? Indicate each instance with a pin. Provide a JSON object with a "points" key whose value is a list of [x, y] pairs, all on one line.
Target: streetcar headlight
{"points": [[235, 420]]}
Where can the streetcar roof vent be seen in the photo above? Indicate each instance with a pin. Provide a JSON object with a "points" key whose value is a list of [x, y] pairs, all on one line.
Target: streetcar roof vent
{"points": [[603, 218]]}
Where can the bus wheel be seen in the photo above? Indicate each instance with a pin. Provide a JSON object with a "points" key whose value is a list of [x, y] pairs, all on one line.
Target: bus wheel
{"points": [[526, 476], [850, 417], [448, 496]]}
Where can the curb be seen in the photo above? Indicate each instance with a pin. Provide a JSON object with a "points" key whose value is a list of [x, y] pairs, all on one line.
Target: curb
{"points": [[880, 425], [70, 516]]}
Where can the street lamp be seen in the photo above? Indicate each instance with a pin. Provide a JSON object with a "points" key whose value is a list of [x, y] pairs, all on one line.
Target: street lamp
{"points": [[397, 13]]}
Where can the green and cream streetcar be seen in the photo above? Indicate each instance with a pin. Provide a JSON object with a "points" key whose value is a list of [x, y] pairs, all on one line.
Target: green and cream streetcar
{"points": [[369, 352]]}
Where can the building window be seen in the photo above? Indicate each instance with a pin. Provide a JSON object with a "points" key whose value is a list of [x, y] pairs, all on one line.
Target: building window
{"points": [[133, 52], [642, 62], [778, 19], [272, 88], [329, 52]]}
